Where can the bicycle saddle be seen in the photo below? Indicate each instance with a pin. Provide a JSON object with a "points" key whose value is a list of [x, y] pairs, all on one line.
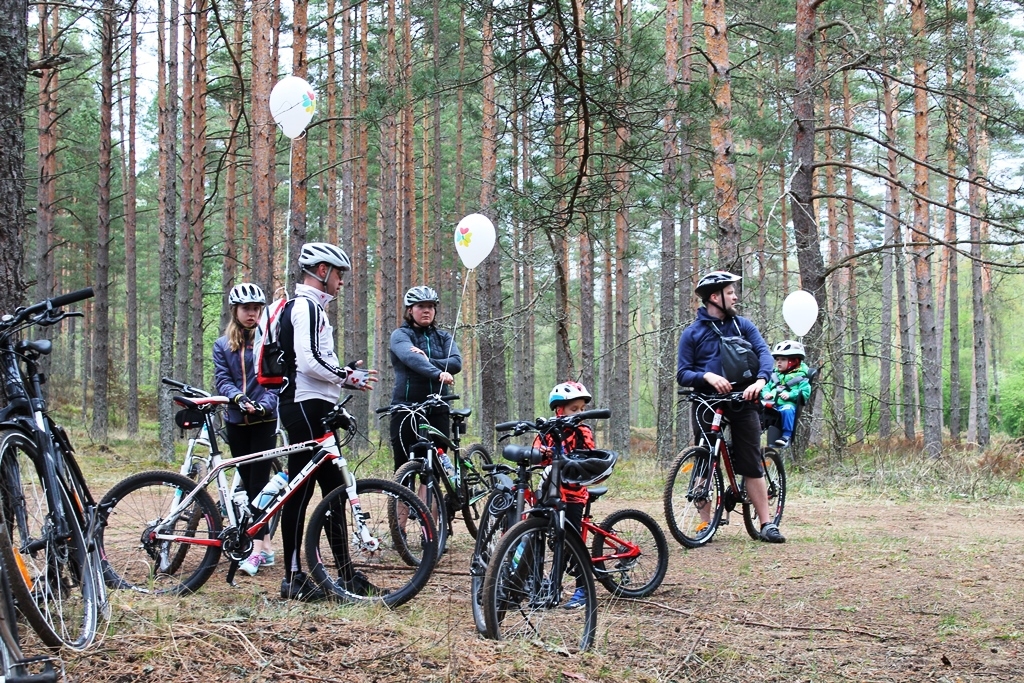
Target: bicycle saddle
{"points": [[517, 454]]}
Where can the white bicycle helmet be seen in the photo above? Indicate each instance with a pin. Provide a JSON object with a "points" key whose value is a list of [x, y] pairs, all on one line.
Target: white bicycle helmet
{"points": [[315, 253], [246, 293], [715, 281], [789, 349], [421, 294], [567, 391]]}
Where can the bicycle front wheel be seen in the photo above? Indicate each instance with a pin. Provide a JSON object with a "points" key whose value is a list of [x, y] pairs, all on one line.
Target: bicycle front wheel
{"points": [[775, 481], [135, 511], [499, 514], [415, 476], [636, 552], [365, 561], [474, 485], [526, 590], [51, 574], [693, 497]]}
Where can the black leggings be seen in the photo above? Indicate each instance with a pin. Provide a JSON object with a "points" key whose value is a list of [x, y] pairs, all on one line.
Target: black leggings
{"points": [[245, 439], [303, 421]]}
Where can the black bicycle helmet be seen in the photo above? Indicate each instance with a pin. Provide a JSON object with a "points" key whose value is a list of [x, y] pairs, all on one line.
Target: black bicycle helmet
{"points": [[421, 294], [715, 281], [588, 467]]}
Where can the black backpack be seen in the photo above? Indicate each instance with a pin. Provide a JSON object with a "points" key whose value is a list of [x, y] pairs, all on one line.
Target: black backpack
{"points": [[740, 362]]}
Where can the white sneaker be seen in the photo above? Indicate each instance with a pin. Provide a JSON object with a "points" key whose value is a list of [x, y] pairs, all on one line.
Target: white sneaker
{"points": [[252, 565]]}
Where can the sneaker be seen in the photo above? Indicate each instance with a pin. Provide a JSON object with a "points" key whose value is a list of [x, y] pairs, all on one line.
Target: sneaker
{"points": [[252, 565], [361, 586], [781, 443], [268, 557], [578, 599], [770, 534], [301, 587]]}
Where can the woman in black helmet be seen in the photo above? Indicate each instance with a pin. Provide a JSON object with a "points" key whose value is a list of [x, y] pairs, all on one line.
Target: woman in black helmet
{"points": [[425, 360]]}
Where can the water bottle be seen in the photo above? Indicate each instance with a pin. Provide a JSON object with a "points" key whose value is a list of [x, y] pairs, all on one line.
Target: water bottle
{"points": [[241, 501], [270, 491], [518, 554], [446, 463]]}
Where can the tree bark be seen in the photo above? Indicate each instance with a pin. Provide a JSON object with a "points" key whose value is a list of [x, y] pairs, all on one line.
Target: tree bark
{"points": [[951, 257], [853, 326], [620, 423], [13, 76], [262, 133], [130, 266], [297, 167]]}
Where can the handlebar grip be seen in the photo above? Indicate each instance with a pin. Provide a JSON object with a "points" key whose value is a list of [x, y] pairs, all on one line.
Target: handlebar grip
{"points": [[72, 297], [596, 414], [450, 397], [381, 411], [505, 426], [173, 383]]}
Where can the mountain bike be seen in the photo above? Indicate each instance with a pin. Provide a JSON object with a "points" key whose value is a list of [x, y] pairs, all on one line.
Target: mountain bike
{"points": [[443, 492], [52, 559], [628, 550], [163, 531], [203, 453], [695, 495]]}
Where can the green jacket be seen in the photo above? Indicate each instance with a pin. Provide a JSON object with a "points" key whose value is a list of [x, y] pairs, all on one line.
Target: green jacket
{"points": [[793, 383]]}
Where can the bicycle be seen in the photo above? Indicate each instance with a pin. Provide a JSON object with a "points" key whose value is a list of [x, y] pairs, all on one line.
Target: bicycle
{"points": [[618, 557], [196, 464], [52, 558], [695, 496], [465, 488], [155, 519]]}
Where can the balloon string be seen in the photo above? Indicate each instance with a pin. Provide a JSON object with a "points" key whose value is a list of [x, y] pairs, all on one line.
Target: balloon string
{"points": [[288, 215], [458, 314]]}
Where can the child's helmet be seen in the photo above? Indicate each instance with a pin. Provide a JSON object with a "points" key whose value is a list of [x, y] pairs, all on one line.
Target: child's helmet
{"points": [[789, 349], [588, 467], [246, 293], [568, 391]]}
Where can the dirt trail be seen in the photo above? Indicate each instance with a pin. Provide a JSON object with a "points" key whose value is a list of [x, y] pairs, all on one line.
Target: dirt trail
{"points": [[864, 590]]}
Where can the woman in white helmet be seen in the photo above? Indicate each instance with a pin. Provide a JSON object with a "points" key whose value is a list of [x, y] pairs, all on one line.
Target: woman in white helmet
{"points": [[251, 419], [426, 360]]}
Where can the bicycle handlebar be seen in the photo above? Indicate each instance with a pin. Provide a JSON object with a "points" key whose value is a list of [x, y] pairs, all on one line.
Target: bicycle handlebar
{"points": [[544, 423], [432, 400], [189, 391], [22, 314]]}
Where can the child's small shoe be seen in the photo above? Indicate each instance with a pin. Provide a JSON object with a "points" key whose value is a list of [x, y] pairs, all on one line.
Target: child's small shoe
{"points": [[782, 443], [268, 557], [252, 565]]}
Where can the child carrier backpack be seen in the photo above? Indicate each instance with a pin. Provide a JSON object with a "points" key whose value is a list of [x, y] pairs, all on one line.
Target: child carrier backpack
{"points": [[268, 354]]}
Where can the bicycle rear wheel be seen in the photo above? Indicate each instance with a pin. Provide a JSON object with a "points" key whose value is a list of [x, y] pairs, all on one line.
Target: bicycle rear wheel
{"points": [[775, 481], [371, 567], [499, 513], [51, 575], [525, 590], [632, 576], [693, 497], [414, 476], [133, 559], [474, 485]]}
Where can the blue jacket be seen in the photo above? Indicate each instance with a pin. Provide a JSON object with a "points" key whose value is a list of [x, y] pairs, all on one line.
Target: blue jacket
{"points": [[416, 376], [231, 377], [699, 349]]}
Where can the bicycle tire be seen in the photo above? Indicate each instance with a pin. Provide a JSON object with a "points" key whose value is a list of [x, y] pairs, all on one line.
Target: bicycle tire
{"points": [[474, 485], [693, 498], [519, 600], [633, 577], [332, 535], [53, 579], [133, 507], [413, 476], [498, 516], [775, 480]]}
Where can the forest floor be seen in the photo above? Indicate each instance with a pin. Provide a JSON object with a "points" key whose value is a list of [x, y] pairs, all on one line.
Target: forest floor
{"points": [[865, 589]]}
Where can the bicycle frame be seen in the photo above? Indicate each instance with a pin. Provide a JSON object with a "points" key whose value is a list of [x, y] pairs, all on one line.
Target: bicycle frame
{"points": [[325, 450]]}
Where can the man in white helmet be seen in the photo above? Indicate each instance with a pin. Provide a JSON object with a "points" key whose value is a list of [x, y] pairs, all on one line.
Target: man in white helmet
{"points": [[315, 380]]}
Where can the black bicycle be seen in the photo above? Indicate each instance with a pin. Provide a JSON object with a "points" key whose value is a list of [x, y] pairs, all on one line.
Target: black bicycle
{"points": [[446, 477], [53, 562]]}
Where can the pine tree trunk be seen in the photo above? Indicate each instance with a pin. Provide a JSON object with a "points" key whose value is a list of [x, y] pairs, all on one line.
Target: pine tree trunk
{"points": [[978, 427], [167, 200], [232, 253], [100, 321], [183, 315], [950, 271], [46, 189], [836, 319], [13, 77], [890, 262], [262, 134], [853, 327], [299, 148], [197, 220], [665, 441], [131, 279], [620, 422], [931, 362]]}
